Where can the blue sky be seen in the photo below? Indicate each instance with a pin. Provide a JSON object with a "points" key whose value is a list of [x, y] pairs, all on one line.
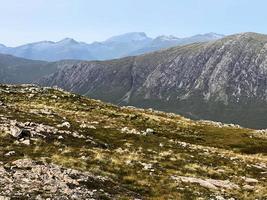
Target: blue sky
{"points": [[24, 21]]}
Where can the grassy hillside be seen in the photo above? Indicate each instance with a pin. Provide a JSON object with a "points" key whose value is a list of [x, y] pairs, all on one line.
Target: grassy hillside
{"points": [[18, 70], [15, 70], [121, 153]]}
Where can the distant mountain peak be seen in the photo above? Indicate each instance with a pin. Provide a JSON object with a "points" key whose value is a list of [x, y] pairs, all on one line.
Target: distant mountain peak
{"points": [[2, 46], [68, 41], [132, 36], [44, 42], [210, 35], [215, 35]]}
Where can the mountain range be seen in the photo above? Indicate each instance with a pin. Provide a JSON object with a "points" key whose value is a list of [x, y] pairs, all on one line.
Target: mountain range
{"points": [[223, 80], [134, 43]]}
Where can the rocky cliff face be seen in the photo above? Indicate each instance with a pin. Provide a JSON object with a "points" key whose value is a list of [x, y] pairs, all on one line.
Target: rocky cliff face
{"points": [[223, 80]]}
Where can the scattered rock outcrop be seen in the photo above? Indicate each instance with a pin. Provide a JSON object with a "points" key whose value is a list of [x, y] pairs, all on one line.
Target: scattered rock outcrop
{"points": [[49, 180], [208, 183]]}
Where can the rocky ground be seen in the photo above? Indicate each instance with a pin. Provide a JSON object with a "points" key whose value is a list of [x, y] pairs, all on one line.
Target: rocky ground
{"points": [[58, 145]]}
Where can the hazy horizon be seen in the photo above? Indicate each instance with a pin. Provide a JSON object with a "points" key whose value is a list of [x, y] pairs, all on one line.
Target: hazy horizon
{"points": [[89, 21], [55, 41]]}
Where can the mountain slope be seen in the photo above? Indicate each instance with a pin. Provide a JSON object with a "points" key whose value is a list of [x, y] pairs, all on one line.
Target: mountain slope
{"points": [[16, 70], [2, 46], [19, 70], [115, 47], [224, 80], [65, 145]]}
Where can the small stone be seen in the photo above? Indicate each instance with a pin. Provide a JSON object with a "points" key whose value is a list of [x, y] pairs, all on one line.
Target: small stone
{"points": [[83, 125], [251, 180], [26, 142], [18, 133], [31, 95], [64, 124], [15, 131], [248, 187], [60, 137], [10, 153], [149, 131]]}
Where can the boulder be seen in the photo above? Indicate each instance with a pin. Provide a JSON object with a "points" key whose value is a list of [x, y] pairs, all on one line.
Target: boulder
{"points": [[149, 131], [15, 131], [26, 142], [64, 124], [19, 133]]}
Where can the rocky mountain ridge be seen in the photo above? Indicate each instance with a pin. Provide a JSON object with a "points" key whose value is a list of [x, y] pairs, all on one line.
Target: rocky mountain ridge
{"points": [[223, 80]]}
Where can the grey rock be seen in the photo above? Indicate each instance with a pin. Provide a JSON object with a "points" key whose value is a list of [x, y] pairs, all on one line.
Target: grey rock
{"points": [[64, 124], [19, 133], [212, 184], [50, 180], [26, 142], [10, 153], [15, 131], [149, 131]]}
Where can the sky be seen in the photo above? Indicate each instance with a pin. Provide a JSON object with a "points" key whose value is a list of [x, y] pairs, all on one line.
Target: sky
{"points": [[24, 21]]}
